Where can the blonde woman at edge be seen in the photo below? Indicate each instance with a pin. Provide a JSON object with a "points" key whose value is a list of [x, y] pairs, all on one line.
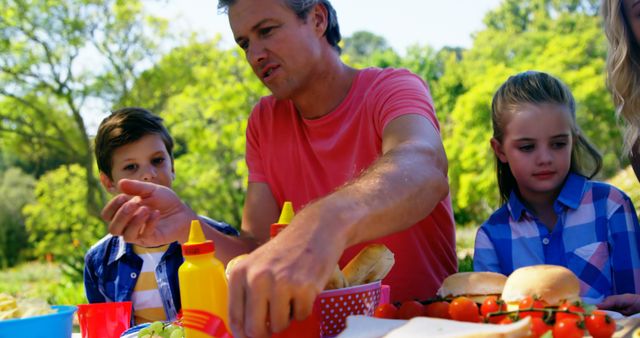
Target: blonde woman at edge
{"points": [[622, 27]]}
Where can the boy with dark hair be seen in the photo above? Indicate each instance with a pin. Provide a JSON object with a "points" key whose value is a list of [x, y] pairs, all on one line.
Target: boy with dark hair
{"points": [[133, 143]]}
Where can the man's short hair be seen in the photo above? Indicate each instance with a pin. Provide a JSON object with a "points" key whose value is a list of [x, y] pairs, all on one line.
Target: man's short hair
{"points": [[302, 9]]}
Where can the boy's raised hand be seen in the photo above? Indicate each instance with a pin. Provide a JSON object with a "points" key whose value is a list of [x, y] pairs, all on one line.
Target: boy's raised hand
{"points": [[148, 214]]}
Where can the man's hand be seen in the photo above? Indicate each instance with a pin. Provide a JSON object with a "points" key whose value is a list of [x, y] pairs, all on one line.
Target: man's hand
{"points": [[147, 214], [627, 304], [280, 280]]}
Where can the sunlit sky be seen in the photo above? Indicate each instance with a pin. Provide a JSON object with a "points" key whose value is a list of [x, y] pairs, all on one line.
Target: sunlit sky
{"points": [[402, 23]]}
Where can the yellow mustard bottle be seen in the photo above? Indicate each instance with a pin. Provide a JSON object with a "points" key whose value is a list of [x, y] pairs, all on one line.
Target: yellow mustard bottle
{"points": [[203, 285]]}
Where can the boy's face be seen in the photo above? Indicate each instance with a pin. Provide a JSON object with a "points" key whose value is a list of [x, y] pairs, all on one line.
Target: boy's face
{"points": [[146, 160]]}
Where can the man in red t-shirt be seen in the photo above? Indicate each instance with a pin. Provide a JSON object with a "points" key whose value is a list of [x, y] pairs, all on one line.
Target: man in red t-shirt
{"points": [[357, 151]]}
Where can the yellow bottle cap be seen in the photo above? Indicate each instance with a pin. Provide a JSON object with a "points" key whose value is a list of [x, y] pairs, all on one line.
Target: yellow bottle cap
{"points": [[195, 233], [286, 214]]}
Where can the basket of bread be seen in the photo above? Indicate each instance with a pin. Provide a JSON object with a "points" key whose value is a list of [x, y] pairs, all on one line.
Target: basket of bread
{"points": [[353, 290]]}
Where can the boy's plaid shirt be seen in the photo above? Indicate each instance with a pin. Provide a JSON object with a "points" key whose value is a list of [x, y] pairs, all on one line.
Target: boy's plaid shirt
{"points": [[596, 236]]}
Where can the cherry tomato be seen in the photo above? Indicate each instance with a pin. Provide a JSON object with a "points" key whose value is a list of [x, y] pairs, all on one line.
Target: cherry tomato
{"points": [[539, 327], [437, 310], [388, 311], [492, 304], [409, 309], [505, 321], [573, 307], [600, 325], [531, 303], [464, 310], [568, 328]]}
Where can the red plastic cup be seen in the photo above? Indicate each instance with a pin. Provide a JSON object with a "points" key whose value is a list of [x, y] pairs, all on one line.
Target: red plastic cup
{"points": [[104, 320]]}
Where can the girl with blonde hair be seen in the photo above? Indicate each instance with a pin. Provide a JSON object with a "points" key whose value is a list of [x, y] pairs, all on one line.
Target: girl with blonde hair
{"points": [[553, 213]]}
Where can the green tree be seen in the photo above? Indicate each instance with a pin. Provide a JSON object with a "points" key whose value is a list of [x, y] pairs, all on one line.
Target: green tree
{"points": [[16, 189], [58, 223], [363, 44], [208, 120], [60, 58]]}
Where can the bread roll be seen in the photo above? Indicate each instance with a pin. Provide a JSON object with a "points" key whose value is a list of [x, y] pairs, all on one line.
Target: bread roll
{"points": [[232, 263], [371, 264], [475, 285], [337, 280], [552, 283]]}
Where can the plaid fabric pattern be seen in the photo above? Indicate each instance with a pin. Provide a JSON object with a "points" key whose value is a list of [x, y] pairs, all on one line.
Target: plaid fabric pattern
{"points": [[596, 236]]}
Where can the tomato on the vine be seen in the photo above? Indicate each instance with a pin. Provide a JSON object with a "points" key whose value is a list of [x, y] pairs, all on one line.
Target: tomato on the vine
{"points": [[600, 325], [388, 311], [568, 328], [539, 327], [437, 310], [505, 321], [532, 303], [464, 310], [492, 304], [573, 307], [409, 309]]}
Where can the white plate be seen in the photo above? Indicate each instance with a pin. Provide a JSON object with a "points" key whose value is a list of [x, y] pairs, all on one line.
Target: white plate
{"points": [[133, 331], [614, 315]]}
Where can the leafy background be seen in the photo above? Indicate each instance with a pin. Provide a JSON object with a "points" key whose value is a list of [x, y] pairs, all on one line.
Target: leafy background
{"points": [[59, 58]]}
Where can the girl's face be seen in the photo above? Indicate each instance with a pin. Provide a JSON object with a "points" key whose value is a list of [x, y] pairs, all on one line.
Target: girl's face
{"points": [[537, 145]]}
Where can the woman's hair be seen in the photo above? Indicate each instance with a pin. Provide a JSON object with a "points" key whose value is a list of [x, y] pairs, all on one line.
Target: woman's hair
{"points": [[623, 68], [302, 9], [534, 87]]}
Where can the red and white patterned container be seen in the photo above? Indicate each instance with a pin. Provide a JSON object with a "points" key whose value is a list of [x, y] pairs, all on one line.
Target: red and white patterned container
{"points": [[334, 306]]}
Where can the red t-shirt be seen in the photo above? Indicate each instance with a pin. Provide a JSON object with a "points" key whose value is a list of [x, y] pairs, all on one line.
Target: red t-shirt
{"points": [[302, 160]]}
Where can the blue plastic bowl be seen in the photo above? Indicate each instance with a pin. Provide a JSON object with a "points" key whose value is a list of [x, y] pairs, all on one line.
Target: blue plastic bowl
{"points": [[54, 325]]}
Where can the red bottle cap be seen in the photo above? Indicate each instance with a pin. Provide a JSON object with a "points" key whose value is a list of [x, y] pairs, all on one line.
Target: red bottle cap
{"points": [[197, 244], [191, 249], [276, 228]]}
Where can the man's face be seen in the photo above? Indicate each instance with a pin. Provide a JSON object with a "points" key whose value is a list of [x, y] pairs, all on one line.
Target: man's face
{"points": [[281, 48], [632, 14]]}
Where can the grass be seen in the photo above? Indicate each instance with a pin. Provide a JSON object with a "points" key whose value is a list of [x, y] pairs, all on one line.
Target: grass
{"points": [[42, 281]]}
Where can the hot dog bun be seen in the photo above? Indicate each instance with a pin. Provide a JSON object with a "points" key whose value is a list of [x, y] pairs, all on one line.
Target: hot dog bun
{"points": [[337, 280], [475, 285], [232, 263], [371, 264]]}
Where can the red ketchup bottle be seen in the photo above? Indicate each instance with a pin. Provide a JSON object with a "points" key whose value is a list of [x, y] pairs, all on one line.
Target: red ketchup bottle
{"points": [[306, 328]]}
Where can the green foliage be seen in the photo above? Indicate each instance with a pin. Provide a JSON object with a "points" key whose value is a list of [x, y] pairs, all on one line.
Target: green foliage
{"points": [[208, 119], [41, 281], [56, 56], [59, 223], [16, 189], [362, 44], [465, 264]]}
